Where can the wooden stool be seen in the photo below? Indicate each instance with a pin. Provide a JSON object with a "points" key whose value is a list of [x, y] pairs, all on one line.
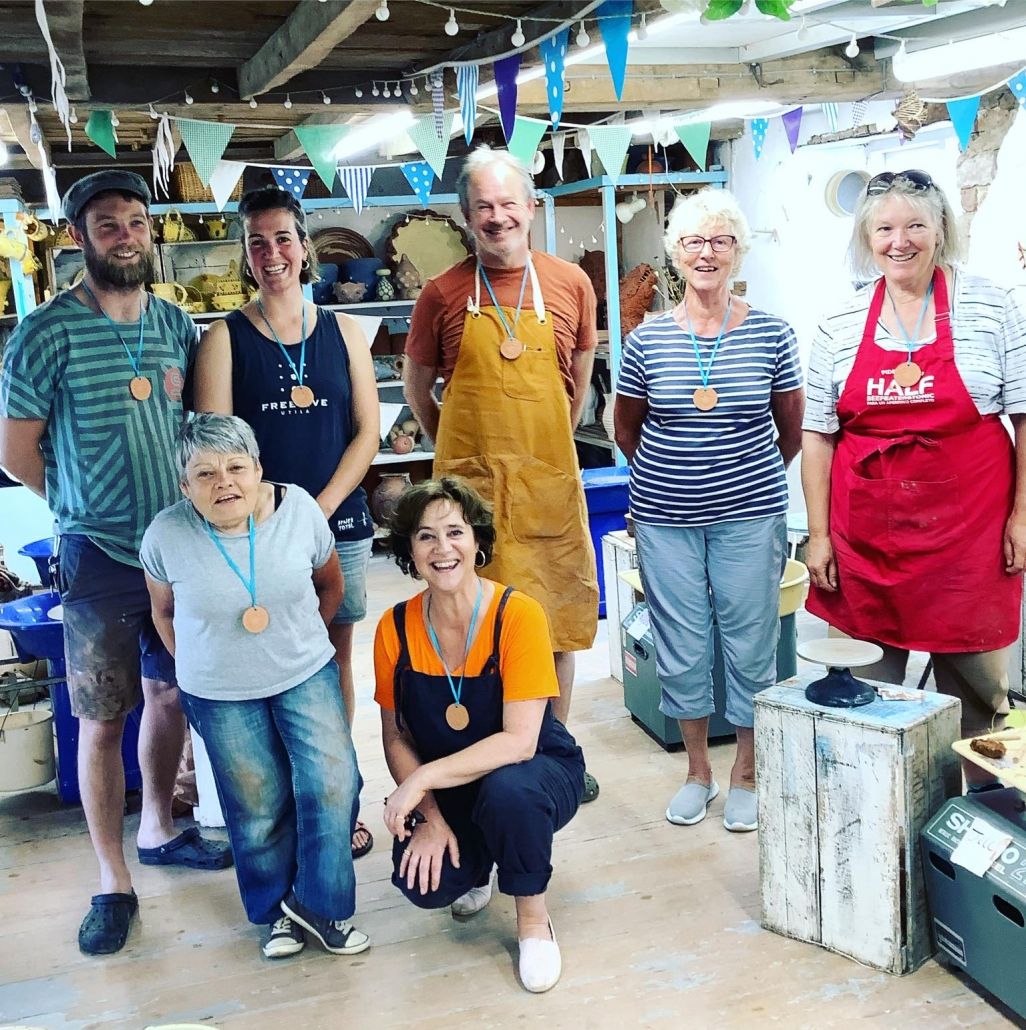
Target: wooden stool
{"points": [[839, 688]]}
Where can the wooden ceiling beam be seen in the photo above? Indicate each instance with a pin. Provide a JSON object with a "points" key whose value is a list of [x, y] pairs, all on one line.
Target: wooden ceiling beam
{"points": [[21, 123], [65, 20], [309, 34]]}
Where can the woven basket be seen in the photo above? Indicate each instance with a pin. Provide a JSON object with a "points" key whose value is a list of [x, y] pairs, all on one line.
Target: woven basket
{"points": [[187, 188]]}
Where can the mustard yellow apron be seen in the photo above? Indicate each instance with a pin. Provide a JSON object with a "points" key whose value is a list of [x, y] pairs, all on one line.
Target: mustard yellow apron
{"points": [[505, 427]]}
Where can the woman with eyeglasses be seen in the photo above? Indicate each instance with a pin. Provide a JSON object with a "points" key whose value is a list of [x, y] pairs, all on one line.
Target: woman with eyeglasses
{"points": [[917, 514], [708, 412]]}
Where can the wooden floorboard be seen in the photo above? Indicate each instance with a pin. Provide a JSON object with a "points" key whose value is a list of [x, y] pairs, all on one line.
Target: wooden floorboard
{"points": [[658, 925]]}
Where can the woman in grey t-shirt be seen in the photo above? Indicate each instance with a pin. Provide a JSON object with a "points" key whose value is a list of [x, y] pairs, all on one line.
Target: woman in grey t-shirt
{"points": [[243, 579]]}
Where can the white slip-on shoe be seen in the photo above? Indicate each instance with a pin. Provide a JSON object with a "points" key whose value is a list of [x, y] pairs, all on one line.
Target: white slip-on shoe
{"points": [[690, 803], [473, 901], [741, 812], [540, 963]]}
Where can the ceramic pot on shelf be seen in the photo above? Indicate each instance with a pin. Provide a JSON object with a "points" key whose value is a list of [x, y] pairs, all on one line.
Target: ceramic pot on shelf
{"points": [[386, 495], [362, 270], [385, 287]]}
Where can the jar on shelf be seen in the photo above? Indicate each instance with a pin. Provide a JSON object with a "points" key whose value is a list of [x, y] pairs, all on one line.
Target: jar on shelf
{"points": [[386, 495], [386, 288]]}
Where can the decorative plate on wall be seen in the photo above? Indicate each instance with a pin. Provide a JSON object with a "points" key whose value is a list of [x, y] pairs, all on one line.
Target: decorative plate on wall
{"points": [[337, 245], [433, 242]]}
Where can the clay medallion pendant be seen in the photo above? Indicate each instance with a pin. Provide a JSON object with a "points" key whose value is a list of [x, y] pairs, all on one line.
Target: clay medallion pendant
{"points": [[705, 398], [511, 348], [302, 396], [140, 387], [255, 619], [908, 373], [457, 717]]}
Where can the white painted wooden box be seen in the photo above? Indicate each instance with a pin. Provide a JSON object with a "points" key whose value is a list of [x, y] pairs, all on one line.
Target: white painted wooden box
{"points": [[619, 554], [843, 794]]}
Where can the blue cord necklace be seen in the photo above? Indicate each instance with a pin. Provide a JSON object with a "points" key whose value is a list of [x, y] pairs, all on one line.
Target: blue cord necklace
{"points": [[456, 715], [705, 398], [138, 386], [256, 618], [510, 348], [909, 372], [302, 395]]}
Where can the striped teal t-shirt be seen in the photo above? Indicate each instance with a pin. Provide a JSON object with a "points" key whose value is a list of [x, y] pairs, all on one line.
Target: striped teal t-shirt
{"points": [[109, 458]]}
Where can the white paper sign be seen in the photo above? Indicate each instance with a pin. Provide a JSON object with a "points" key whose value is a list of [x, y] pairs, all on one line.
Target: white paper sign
{"points": [[981, 847]]}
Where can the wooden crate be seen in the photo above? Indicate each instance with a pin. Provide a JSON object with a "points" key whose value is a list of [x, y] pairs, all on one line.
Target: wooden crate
{"points": [[619, 554], [843, 796]]}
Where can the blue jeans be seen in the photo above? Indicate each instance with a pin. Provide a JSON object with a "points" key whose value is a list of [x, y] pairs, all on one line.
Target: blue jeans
{"points": [[289, 788]]}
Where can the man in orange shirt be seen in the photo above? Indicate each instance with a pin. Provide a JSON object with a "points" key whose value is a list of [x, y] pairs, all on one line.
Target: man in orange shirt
{"points": [[515, 359]]}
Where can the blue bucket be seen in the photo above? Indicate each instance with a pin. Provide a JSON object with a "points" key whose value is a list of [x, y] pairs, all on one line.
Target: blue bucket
{"points": [[40, 551], [35, 634]]}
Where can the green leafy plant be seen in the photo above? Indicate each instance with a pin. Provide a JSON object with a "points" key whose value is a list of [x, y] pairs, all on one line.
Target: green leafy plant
{"points": [[718, 10]]}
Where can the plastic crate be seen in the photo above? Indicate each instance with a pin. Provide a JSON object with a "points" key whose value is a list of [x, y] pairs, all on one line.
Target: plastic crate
{"points": [[605, 494]]}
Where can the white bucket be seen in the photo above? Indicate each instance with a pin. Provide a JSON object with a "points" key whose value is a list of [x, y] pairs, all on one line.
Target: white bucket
{"points": [[26, 749]]}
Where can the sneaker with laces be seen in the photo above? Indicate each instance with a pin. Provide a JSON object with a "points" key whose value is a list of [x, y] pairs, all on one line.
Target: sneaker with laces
{"points": [[338, 936], [286, 938]]}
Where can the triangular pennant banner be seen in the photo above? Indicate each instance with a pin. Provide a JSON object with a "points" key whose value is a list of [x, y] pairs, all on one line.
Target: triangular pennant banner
{"points": [[858, 113], [759, 127], [292, 180], [466, 87], [614, 18], [320, 143], [584, 145], [695, 138], [553, 54], [206, 143], [830, 113], [356, 181], [421, 178], [163, 155], [527, 134], [558, 148], [1017, 84], [963, 118], [792, 123], [506, 72], [100, 130], [433, 146], [223, 180], [611, 143], [437, 99]]}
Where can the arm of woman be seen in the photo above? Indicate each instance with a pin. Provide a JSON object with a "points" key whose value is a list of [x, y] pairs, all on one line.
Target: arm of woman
{"points": [[788, 408], [1015, 528], [629, 414], [329, 587], [162, 610], [212, 387], [817, 459], [356, 458]]}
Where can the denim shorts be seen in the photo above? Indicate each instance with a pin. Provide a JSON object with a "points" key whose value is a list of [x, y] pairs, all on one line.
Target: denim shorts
{"points": [[354, 557], [109, 637]]}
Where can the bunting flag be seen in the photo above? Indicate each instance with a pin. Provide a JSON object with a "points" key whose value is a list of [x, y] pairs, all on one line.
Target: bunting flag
{"points": [[558, 147], [427, 140], [206, 143], [320, 143], [437, 99], [611, 143], [292, 180], [466, 87], [58, 76], [584, 145], [759, 127], [963, 118], [421, 179], [223, 180], [100, 129], [830, 112], [858, 113], [527, 134], [792, 123], [356, 182], [614, 19], [1017, 84], [695, 138], [553, 54], [163, 155], [506, 72]]}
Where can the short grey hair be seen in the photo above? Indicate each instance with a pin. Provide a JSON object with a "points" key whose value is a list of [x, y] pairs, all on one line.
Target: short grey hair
{"points": [[221, 434], [931, 204], [695, 214], [483, 157]]}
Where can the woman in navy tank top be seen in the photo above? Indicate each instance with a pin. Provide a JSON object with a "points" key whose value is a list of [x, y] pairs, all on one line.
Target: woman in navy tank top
{"points": [[302, 377]]}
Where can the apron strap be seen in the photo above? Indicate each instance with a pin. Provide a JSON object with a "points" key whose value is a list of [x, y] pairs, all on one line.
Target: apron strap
{"points": [[537, 300], [402, 662]]}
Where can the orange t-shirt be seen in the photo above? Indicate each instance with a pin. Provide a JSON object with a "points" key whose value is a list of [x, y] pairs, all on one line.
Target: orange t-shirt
{"points": [[436, 328], [526, 665]]}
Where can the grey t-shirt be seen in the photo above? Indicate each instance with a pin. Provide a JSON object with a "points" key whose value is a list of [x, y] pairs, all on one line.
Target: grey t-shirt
{"points": [[215, 658]]}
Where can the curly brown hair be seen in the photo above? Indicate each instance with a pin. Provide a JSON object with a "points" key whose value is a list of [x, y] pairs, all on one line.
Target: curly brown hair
{"points": [[413, 502]]}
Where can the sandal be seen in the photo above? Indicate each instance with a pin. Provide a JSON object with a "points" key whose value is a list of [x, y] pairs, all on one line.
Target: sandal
{"points": [[191, 850], [105, 927], [359, 850], [591, 788]]}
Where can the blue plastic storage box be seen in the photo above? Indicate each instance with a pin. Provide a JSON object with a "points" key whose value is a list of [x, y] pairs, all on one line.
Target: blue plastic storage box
{"points": [[605, 493]]}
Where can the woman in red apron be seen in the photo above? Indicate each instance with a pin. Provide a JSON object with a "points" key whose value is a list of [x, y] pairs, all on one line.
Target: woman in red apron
{"points": [[915, 541]]}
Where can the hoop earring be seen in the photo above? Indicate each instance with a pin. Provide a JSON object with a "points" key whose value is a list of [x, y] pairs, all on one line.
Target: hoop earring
{"points": [[305, 266], [480, 559]]}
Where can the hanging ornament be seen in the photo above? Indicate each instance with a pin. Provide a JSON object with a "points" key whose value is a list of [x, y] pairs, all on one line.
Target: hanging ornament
{"points": [[909, 114]]}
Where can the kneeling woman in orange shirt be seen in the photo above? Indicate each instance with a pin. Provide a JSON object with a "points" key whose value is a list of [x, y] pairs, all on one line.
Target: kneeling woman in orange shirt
{"points": [[486, 775]]}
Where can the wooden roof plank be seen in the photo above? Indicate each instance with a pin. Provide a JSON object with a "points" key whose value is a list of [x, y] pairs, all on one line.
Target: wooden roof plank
{"points": [[65, 20]]}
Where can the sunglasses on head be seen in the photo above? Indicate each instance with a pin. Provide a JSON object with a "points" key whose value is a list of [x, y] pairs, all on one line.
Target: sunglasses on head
{"points": [[918, 181]]}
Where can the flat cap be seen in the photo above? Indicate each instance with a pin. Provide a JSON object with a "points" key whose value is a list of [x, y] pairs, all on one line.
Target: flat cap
{"points": [[101, 182]]}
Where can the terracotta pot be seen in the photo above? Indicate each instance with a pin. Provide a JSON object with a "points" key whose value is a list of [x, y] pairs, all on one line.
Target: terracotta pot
{"points": [[402, 444], [386, 496]]}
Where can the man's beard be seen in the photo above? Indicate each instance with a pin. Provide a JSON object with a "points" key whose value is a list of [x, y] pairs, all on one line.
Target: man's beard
{"points": [[113, 274]]}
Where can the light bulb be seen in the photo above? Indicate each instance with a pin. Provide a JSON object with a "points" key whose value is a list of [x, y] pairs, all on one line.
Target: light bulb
{"points": [[803, 31], [115, 121], [583, 39], [518, 38], [386, 92], [288, 102], [146, 3], [413, 89], [538, 162], [358, 92], [852, 49], [397, 89], [642, 32], [325, 99], [188, 98], [452, 26], [382, 12], [73, 117], [201, 219], [253, 103], [214, 87], [375, 92], [153, 113]]}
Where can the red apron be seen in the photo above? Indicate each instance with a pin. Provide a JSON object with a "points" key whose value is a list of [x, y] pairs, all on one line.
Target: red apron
{"points": [[921, 487]]}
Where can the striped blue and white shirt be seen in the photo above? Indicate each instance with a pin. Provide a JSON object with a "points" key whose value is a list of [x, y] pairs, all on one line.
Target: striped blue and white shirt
{"points": [[696, 467]]}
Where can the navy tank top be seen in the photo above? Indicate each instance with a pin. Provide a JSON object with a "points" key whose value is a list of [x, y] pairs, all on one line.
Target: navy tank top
{"points": [[299, 445]]}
